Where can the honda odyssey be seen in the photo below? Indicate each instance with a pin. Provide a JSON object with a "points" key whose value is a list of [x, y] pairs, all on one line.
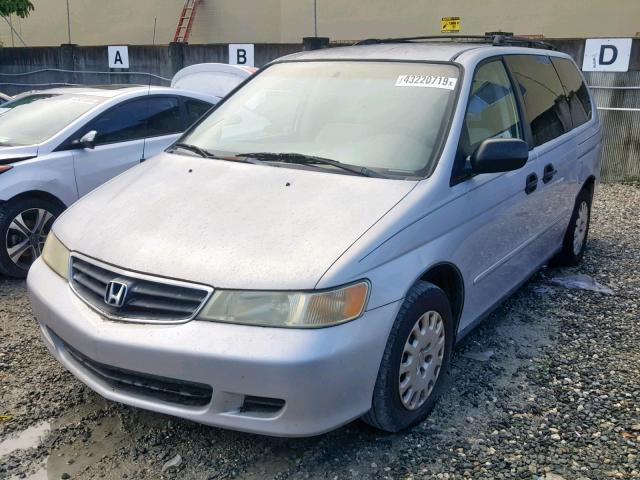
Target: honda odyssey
{"points": [[311, 250]]}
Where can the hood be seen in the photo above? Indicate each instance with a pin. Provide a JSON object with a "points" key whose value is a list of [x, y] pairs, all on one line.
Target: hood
{"points": [[227, 224], [16, 154]]}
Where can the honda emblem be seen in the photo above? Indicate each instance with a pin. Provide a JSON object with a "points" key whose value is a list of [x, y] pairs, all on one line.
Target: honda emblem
{"points": [[115, 294]]}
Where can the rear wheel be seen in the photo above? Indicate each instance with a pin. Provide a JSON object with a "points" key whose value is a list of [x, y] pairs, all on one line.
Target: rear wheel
{"points": [[575, 238], [24, 226], [414, 362]]}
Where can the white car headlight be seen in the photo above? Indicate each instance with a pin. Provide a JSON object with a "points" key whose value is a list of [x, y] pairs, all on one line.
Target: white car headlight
{"points": [[56, 255], [287, 309]]}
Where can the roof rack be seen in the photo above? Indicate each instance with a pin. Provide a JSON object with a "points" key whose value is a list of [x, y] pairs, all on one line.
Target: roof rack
{"points": [[498, 40]]}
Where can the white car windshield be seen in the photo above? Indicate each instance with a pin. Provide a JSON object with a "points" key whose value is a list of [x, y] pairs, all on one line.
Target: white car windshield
{"points": [[35, 118], [385, 117]]}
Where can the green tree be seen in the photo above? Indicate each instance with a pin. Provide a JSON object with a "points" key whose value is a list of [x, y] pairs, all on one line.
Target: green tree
{"points": [[21, 8]]}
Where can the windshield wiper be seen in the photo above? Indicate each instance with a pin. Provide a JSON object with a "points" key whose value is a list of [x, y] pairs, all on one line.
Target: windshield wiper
{"points": [[207, 154], [193, 148], [303, 159]]}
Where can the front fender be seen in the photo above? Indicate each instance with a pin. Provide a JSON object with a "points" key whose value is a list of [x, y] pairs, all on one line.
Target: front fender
{"points": [[52, 174]]}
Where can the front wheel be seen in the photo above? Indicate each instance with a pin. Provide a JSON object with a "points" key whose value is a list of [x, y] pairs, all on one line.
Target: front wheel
{"points": [[24, 226], [415, 360]]}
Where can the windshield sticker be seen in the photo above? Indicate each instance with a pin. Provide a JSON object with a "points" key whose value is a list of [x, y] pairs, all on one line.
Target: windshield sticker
{"points": [[429, 81]]}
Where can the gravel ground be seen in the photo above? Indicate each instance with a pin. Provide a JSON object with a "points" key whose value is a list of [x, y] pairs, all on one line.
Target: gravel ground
{"points": [[559, 396]]}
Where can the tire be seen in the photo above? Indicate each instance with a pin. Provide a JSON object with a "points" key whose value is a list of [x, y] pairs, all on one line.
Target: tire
{"points": [[575, 238], [392, 411], [24, 225]]}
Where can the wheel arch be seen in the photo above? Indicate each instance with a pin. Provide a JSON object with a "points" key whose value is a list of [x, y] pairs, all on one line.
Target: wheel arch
{"points": [[448, 277], [39, 194], [589, 184]]}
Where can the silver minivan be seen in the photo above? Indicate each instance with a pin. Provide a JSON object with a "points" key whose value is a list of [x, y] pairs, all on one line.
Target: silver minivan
{"points": [[310, 251]]}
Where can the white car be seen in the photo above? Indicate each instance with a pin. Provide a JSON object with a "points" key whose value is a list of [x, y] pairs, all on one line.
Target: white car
{"points": [[57, 145]]}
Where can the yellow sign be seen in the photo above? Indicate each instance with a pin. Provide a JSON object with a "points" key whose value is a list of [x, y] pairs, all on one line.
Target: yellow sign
{"points": [[450, 24]]}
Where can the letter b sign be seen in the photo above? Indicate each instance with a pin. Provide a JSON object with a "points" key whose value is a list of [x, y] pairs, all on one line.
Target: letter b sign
{"points": [[241, 54], [606, 55]]}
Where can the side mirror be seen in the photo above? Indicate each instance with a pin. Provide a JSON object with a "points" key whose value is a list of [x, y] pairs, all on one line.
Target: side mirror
{"points": [[88, 140], [499, 155]]}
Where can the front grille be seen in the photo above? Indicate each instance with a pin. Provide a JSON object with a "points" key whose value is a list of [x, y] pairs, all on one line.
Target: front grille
{"points": [[161, 388], [146, 298]]}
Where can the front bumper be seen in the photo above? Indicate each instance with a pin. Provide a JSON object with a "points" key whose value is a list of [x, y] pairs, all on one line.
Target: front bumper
{"points": [[325, 376]]}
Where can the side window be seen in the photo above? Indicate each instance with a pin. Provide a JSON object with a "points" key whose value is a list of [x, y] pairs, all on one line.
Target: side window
{"points": [[163, 116], [492, 111], [546, 108], [195, 109], [575, 89], [144, 117], [120, 124]]}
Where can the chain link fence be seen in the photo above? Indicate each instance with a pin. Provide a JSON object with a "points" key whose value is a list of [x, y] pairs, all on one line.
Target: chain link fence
{"points": [[617, 97]]}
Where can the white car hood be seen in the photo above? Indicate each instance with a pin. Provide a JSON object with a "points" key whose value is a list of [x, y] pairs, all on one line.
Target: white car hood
{"points": [[227, 224], [9, 154]]}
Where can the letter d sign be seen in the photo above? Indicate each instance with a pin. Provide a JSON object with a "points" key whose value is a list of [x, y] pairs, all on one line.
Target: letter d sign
{"points": [[606, 55], [241, 54]]}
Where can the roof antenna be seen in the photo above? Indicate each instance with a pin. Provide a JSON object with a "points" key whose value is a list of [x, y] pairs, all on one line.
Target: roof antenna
{"points": [[144, 142]]}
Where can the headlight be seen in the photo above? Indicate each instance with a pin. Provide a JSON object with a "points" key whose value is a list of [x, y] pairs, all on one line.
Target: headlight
{"points": [[56, 255], [287, 309]]}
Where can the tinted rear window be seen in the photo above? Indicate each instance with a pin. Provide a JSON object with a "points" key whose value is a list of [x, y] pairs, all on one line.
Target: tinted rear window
{"points": [[575, 89], [195, 109], [546, 108]]}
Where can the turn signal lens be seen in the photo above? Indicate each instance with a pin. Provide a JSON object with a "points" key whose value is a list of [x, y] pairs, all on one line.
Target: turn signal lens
{"points": [[5, 168], [336, 306], [288, 309], [56, 255]]}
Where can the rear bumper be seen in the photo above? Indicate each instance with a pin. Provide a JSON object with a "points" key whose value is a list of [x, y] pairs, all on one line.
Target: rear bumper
{"points": [[325, 376]]}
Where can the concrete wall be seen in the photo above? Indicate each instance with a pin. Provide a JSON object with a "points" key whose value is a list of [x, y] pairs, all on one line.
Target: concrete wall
{"points": [[16, 64], [160, 60], [112, 22]]}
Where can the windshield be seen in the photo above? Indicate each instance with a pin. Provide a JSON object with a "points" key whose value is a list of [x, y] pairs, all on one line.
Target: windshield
{"points": [[386, 116], [35, 118]]}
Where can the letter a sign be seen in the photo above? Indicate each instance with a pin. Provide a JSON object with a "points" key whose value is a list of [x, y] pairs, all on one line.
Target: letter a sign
{"points": [[241, 54], [118, 56], [606, 55]]}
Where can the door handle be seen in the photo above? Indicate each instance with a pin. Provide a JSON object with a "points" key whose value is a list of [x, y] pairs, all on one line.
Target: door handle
{"points": [[531, 184], [549, 172]]}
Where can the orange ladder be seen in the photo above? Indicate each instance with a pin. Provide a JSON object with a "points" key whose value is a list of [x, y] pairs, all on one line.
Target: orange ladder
{"points": [[186, 21]]}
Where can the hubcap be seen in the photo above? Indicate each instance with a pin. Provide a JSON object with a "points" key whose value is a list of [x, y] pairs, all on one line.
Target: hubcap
{"points": [[580, 231], [26, 236], [421, 360]]}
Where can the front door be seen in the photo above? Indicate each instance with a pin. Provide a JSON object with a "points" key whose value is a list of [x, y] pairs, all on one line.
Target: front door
{"points": [[501, 210], [95, 166], [120, 141]]}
